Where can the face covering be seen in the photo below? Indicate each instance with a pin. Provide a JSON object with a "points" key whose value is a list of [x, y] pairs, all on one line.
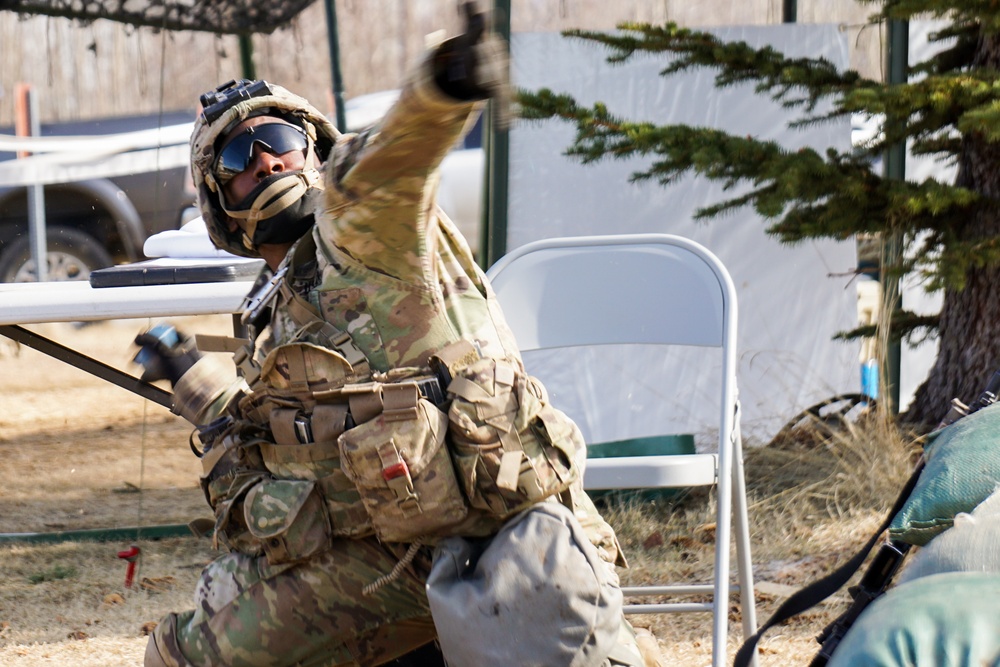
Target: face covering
{"points": [[279, 208]]}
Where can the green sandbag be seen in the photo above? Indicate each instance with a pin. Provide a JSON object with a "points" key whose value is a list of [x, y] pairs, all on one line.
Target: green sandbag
{"points": [[942, 620], [962, 470]]}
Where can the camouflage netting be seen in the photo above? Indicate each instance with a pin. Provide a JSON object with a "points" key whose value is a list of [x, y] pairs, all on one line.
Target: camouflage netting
{"points": [[218, 16]]}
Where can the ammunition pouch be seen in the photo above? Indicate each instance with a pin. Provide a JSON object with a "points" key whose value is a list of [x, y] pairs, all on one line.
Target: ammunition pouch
{"points": [[423, 473], [285, 520], [510, 447], [288, 518], [231, 468], [297, 375], [319, 464], [401, 467]]}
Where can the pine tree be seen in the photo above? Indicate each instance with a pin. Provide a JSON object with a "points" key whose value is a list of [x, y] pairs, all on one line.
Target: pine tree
{"points": [[948, 109]]}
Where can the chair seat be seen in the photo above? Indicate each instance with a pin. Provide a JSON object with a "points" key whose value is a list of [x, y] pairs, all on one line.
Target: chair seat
{"points": [[648, 472]]}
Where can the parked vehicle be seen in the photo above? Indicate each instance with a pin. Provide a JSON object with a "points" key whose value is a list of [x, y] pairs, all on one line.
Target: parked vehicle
{"points": [[96, 222]]}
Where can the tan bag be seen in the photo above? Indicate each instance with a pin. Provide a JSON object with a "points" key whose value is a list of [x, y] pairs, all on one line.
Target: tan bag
{"points": [[400, 465], [511, 448]]}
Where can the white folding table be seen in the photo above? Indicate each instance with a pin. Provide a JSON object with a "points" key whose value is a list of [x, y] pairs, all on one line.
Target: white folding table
{"points": [[77, 301]]}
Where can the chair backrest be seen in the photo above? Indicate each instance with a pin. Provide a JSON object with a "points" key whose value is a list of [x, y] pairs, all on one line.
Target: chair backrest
{"points": [[649, 289], [634, 288]]}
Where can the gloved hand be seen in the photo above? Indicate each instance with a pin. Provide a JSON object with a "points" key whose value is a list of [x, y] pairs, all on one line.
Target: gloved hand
{"points": [[165, 353], [473, 65]]}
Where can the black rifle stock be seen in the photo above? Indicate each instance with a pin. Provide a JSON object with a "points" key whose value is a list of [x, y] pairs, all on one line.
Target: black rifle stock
{"points": [[877, 578]]}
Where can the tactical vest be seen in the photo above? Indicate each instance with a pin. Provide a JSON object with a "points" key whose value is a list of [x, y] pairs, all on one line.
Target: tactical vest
{"points": [[453, 446]]}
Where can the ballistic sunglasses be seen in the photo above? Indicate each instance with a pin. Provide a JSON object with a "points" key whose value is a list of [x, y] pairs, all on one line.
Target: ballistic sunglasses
{"points": [[275, 138]]}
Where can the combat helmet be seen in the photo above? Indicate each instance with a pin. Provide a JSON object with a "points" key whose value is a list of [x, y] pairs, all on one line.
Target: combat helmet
{"points": [[280, 201]]}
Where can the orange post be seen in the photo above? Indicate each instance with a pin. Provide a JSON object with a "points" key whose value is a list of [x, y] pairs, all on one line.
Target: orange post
{"points": [[22, 113]]}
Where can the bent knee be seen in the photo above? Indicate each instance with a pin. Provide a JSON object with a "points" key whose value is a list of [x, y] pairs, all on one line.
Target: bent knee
{"points": [[162, 649]]}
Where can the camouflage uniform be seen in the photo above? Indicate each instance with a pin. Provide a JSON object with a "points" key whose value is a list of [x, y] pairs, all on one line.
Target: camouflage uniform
{"points": [[396, 275]]}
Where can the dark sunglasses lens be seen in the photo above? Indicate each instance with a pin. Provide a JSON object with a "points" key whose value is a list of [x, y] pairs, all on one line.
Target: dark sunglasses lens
{"points": [[275, 138]]}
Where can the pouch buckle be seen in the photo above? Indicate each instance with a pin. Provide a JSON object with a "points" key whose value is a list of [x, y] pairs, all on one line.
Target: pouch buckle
{"points": [[396, 474]]}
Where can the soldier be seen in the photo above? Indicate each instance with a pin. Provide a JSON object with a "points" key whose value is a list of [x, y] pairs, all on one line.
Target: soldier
{"points": [[376, 340]]}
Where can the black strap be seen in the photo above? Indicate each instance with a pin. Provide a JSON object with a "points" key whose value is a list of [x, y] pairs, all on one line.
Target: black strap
{"points": [[301, 311], [819, 590]]}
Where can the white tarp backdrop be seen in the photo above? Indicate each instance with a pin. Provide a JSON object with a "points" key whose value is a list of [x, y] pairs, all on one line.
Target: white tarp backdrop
{"points": [[792, 299]]}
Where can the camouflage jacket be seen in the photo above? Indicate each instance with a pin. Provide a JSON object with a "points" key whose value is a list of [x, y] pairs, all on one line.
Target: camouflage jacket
{"points": [[395, 273]]}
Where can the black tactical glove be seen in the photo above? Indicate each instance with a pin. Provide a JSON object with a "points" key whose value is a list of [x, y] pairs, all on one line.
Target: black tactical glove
{"points": [[474, 65], [165, 354]]}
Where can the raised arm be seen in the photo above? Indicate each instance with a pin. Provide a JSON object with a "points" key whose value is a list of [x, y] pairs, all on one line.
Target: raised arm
{"points": [[381, 185]]}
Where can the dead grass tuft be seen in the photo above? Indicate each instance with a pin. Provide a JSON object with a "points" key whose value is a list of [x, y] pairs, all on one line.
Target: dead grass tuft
{"points": [[814, 498], [821, 474]]}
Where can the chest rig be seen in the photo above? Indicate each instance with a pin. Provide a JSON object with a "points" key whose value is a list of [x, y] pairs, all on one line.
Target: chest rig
{"points": [[310, 387], [410, 454]]}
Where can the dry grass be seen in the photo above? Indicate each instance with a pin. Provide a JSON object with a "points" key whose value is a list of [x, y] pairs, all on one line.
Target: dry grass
{"points": [[815, 498], [66, 603], [73, 449]]}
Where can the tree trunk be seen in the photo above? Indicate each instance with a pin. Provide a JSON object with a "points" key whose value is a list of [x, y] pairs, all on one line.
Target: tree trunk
{"points": [[969, 332], [969, 349]]}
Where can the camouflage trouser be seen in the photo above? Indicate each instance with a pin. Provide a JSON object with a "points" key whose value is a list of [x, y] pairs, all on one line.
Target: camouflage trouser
{"points": [[314, 612], [311, 613]]}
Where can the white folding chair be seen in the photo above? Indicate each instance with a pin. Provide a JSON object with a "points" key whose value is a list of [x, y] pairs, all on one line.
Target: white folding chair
{"points": [[651, 289]]}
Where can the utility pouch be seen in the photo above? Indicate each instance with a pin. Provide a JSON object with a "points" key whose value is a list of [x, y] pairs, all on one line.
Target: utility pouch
{"points": [[231, 530], [304, 367], [230, 469], [227, 466], [288, 518], [400, 465], [511, 448], [320, 462], [293, 374]]}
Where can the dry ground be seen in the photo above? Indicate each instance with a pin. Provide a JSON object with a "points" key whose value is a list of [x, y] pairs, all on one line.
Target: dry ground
{"points": [[77, 453]]}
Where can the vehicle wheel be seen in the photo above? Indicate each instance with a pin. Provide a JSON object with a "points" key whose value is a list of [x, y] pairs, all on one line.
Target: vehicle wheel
{"points": [[72, 255]]}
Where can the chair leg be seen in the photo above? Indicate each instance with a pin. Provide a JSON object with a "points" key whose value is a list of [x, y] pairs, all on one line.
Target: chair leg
{"points": [[723, 526], [741, 529]]}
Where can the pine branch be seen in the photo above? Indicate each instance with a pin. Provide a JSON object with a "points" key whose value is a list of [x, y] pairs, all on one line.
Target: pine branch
{"points": [[984, 13], [952, 58], [817, 196], [921, 110], [804, 194], [738, 62], [905, 325]]}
